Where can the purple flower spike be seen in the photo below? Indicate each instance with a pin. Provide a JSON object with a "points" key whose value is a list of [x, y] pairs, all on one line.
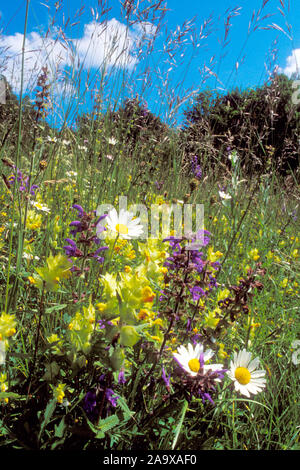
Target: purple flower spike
{"points": [[196, 169], [111, 397], [33, 188], [197, 293], [121, 377], [100, 218], [71, 249], [80, 210], [166, 379], [90, 404]]}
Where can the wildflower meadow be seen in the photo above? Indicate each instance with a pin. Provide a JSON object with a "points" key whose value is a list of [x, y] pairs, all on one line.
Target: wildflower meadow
{"points": [[149, 266]]}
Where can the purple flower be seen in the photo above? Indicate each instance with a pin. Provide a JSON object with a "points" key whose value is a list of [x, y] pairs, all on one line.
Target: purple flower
{"points": [[78, 227], [196, 338], [71, 249], [206, 396], [33, 188], [197, 292], [100, 219], [90, 404], [204, 236], [79, 209], [166, 379], [196, 169], [111, 397], [121, 377]]}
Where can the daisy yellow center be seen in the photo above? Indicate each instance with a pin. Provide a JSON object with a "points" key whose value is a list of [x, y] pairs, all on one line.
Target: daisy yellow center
{"points": [[194, 365], [242, 375], [121, 228]]}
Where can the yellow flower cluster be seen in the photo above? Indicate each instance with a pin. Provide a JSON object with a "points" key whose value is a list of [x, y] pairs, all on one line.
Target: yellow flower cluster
{"points": [[57, 347], [253, 254], [59, 392], [3, 386], [34, 220], [7, 326], [81, 329], [124, 247]]}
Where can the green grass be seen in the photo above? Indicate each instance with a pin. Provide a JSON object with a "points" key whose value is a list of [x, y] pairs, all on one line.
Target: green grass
{"points": [[257, 228]]}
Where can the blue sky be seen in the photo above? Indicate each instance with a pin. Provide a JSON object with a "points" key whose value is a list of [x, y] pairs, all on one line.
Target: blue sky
{"points": [[242, 62]]}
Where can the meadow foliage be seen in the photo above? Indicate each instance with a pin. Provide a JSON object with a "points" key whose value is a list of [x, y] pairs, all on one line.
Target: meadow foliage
{"points": [[110, 339]]}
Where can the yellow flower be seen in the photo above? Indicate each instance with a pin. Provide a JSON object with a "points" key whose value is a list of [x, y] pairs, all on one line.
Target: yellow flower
{"points": [[147, 294], [223, 294], [54, 338], [254, 254], [59, 393], [131, 254], [101, 306], [7, 325], [211, 320], [213, 256], [284, 283], [34, 220], [31, 280], [222, 353], [144, 314]]}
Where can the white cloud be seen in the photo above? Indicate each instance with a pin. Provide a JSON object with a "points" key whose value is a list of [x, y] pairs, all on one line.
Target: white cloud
{"points": [[38, 53], [292, 64], [111, 43]]}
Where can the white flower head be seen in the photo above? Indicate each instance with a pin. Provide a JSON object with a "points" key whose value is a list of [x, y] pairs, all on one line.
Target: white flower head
{"points": [[243, 371], [112, 141], [123, 224], [224, 195], [194, 357], [40, 206], [233, 157]]}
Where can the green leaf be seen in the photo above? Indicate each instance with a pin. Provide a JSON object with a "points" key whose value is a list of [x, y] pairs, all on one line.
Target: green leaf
{"points": [[128, 414], [60, 429], [128, 336], [103, 426], [108, 423], [179, 426], [55, 308], [10, 395], [47, 416]]}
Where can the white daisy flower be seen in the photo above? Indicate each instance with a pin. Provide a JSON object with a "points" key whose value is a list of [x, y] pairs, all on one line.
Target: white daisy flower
{"points": [[51, 139], [71, 173], [29, 256], [112, 141], [244, 374], [123, 224], [224, 195], [40, 206], [193, 357]]}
